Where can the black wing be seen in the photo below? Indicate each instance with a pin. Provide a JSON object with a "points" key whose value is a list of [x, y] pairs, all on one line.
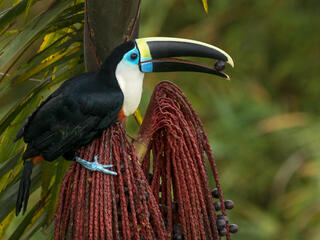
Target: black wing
{"points": [[66, 84], [72, 116]]}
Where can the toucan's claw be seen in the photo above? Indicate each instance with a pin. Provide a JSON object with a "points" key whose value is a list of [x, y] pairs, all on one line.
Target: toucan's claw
{"points": [[96, 166]]}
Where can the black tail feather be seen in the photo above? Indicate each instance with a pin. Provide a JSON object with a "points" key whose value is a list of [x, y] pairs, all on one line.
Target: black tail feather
{"points": [[24, 187]]}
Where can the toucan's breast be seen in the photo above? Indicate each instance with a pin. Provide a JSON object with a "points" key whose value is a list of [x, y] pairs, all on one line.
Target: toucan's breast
{"points": [[130, 80]]}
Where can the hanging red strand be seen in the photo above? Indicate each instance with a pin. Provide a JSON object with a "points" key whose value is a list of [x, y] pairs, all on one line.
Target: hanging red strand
{"points": [[95, 205], [179, 148], [169, 199]]}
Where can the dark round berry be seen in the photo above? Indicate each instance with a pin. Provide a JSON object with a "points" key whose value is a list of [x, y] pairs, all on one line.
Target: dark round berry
{"points": [[221, 223], [223, 232], [229, 204], [133, 56], [233, 228], [215, 193], [220, 65], [223, 217], [217, 206]]}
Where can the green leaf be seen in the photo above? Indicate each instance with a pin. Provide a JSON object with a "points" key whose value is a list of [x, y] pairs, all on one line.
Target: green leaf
{"points": [[7, 147], [66, 22], [7, 120], [33, 216], [74, 9], [9, 195], [48, 171], [37, 25], [53, 27], [10, 14], [57, 60], [61, 169], [4, 80], [205, 5], [27, 10], [10, 164], [6, 223], [35, 225], [58, 45], [8, 170], [43, 233]]}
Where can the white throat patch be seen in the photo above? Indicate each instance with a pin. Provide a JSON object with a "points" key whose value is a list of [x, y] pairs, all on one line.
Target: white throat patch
{"points": [[130, 80]]}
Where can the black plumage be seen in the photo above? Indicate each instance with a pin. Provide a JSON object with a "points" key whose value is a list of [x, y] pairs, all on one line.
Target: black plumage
{"points": [[72, 116], [76, 112]]}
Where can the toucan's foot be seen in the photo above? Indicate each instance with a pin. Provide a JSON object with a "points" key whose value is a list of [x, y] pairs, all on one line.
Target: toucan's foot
{"points": [[96, 166]]}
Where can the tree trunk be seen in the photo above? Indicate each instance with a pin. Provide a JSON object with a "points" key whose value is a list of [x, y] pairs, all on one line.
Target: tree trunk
{"points": [[107, 24]]}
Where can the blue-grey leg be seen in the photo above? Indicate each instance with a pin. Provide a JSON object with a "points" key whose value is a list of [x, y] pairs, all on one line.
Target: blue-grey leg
{"points": [[95, 166]]}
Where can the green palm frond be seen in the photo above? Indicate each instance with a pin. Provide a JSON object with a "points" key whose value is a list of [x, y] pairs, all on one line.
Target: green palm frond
{"points": [[48, 48], [205, 5]]}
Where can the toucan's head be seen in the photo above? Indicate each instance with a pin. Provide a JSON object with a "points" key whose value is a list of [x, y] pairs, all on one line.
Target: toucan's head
{"points": [[159, 54]]}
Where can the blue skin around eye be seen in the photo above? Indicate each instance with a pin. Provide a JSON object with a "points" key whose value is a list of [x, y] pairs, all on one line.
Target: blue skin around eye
{"points": [[127, 56], [145, 67]]}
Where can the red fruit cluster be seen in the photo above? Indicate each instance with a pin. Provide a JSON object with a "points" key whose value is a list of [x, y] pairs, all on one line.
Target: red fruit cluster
{"points": [[167, 197], [95, 205]]}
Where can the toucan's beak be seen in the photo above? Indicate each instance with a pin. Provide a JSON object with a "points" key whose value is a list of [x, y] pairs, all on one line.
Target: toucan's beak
{"points": [[159, 54]]}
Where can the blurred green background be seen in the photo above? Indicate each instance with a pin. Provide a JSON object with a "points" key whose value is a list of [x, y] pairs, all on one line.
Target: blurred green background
{"points": [[264, 124]]}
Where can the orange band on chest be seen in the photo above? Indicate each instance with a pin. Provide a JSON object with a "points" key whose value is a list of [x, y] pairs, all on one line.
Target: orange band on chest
{"points": [[121, 115], [37, 159]]}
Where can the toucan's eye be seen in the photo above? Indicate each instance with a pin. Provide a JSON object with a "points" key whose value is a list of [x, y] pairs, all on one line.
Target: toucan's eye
{"points": [[133, 56]]}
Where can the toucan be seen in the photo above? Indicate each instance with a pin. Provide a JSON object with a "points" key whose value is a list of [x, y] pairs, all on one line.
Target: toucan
{"points": [[85, 105]]}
